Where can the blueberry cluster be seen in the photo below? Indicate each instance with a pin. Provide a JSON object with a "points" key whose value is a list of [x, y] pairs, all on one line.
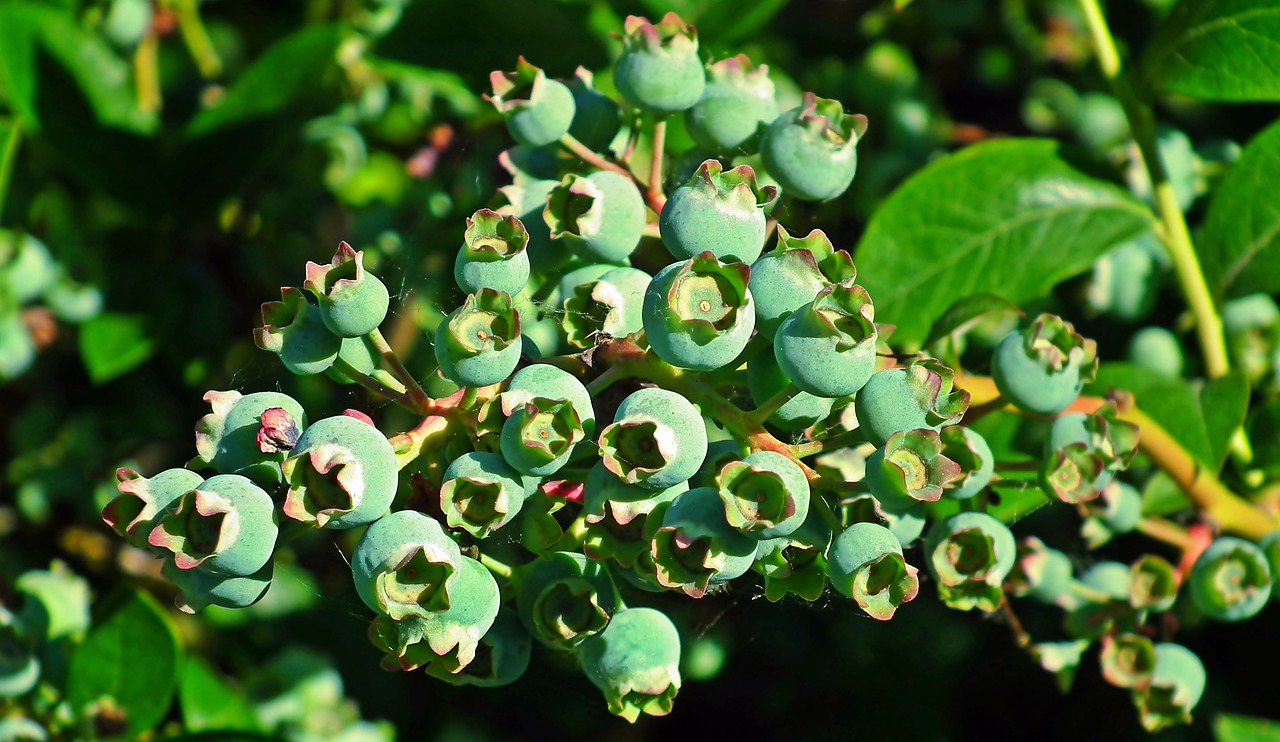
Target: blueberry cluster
{"points": [[646, 400]]}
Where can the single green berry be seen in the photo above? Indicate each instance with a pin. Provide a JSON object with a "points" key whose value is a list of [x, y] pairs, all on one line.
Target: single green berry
{"points": [[812, 149], [1153, 583], [540, 326], [600, 217], [1083, 451], [17, 347], [605, 307], [918, 396], [970, 554], [698, 313], [1043, 368], [479, 343], [657, 439], [353, 302], [404, 565], [527, 200], [248, 434], [1116, 512], [596, 118], [1231, 580], [1042, 573], [1177, 683], [659, 70], [865, 563], [635, 661], [294, 329], [717, 211], [134, 512], [481, 493], [1157, 351], [765, 380], [537, 109], [696, 546], [910, 469], [342, 473], [199, 589], [1125, 281], [225, 527], [791, 275], [736, 103], [27, 269], [828, 347], [538, 438], [549, 382], [564, 599], [493, 254], [1128, 660], [765, 495], [450, 636], [795, 564], [970, 451]]}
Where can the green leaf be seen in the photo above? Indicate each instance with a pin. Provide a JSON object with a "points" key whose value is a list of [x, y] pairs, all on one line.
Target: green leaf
{"points": [[1008, 217], [129, 659], [1227, 50], [113, 344], [208, 703], [103, 78], [1202, 417], [1233, 728], [1264, 436], [1240, 246], [296, 68]]}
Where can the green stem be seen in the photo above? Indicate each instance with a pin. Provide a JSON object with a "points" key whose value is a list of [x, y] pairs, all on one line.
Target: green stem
{"points": [[9, 160], [826, 512], [765, 411], [841, 440], [1167, 532], [375, 386], [415, 391], [1174, 224], [656, 198], [498, 567], [146, 72], [197, 39], [611, 375], [589, 156]]}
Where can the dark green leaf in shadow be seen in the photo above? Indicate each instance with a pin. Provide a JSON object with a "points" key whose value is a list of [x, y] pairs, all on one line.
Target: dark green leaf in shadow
{"points": [[1240, 246], [113, 344], [1227, 50]]}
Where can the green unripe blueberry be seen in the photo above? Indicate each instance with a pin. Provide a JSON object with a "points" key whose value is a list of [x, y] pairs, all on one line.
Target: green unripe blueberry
{"points": [[1116, 512], [608, 306], [635, 662], [17, 347], [656, 440], [910, 469], [127, 21], [294, 329], [537, 109], [248, 434], [481, 493], [1231, 580], [1083, 451], [538, 438], [969, 555], [1042, 573], [765, 495], [717, 211], [766, 379], [865, 563], [918, 396], [828, 347], [812, 149], [617, 515], [1111, 580], [133, 513], [1157, 351], [564, 599], [479, 343], [795, 564], [541, 334], [596, 119], [549, 382], [600, 216], [1177, 683], [1153, 583], [1043, 368], [659, 70], [493, 254], [225, 527], [1127, 660], [353, 302], [737, 101], [404, 565], [698, 313], [1125, 281], [342, 473], [696, 546], [199, 589], [359, 356], [27, 268], [970, 451], [526, 200]]}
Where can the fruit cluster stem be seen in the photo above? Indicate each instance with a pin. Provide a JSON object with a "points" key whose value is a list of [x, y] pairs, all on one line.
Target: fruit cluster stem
{"points": [[8, 159]]}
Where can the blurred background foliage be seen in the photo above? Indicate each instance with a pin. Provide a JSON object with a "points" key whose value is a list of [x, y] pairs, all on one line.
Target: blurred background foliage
{"points": [[166, 166]]}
